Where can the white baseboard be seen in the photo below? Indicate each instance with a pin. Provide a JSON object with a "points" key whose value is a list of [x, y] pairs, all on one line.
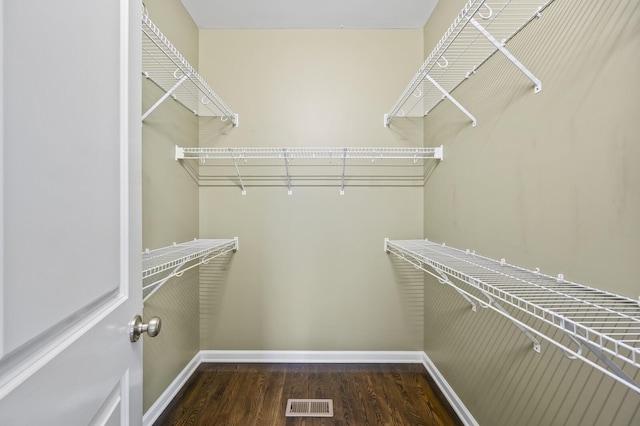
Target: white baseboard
{"points": [[167, 396], [448, 392], [316, 357]]}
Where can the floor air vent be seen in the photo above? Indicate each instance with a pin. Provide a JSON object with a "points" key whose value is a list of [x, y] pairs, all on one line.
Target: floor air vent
{"points": [[309, 408]]}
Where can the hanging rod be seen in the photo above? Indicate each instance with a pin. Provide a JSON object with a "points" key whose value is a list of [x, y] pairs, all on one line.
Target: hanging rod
{"points": [[163, 64], [164, 263], [606, 324], [462, 50]]}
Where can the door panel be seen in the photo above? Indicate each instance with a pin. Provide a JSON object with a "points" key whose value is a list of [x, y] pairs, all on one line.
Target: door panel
{"points": [[73, 386], [70, 203], [61, 104], [113, 408]]}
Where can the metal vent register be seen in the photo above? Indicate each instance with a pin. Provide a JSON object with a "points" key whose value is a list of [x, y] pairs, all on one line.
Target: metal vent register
{"points": [[309, 408]]}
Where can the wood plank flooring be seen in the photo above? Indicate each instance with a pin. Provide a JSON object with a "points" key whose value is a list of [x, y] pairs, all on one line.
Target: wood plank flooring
{"points": [[256, 394]]}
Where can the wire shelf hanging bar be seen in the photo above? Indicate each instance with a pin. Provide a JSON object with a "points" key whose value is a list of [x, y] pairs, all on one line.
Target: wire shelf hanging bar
{"points": [[163, 64], [156, 263], [605, 323], [462, 50]]}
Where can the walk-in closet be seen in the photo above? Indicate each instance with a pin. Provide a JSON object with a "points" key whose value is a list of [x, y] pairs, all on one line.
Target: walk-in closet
{"points": [[504, 130], [417, 212]]}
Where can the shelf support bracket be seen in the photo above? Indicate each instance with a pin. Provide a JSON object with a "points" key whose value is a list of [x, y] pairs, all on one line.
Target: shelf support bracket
{"points": [[452, 99], [235, 163], [438, 153], [178, 271], [445, 280], [156, 285], [165, 96], [572, 333], [286, 167], [441, 276], [344, 164], [179, 153], [497, 306], [537, 83]]}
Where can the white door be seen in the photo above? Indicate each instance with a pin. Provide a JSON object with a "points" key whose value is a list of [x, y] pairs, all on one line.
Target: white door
{"points": [[69, 212]]}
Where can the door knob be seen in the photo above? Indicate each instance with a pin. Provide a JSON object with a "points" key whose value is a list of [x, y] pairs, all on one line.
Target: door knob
{"points": [[137, 327]]}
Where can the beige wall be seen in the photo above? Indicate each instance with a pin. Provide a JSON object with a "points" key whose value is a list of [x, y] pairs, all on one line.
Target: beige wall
{"points": [[545, 180], [170, 211], [311, 273]]}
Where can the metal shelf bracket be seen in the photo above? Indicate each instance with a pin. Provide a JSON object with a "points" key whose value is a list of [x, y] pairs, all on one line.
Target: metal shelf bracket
{"points": [[155, 286], [179, 153], [439, 152], [441, 276], [286, 168], [571, 332], [537, 83], [235, 164], [452, 99], [445, 280], [165, 96], [497, 306], [344, 165]]}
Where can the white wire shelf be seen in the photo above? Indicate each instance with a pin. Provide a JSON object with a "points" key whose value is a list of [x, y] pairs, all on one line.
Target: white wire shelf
{"points": [[360, 155], [326, 153], [606, 324], [481, 29], [159, 265], [163, 64]]}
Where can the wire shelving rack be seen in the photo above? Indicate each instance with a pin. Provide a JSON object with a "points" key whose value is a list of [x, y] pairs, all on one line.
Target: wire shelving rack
{"points": [[296, 153], [605, 324], [308, 155], [163, 64], [160, 265], [480, 30]]}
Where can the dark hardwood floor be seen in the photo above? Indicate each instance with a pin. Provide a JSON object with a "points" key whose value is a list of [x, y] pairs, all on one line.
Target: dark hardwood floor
{"points": [[256, 394]]}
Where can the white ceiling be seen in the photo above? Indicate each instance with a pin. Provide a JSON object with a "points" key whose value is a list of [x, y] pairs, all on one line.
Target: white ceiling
{"points": [[366, 14]]}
